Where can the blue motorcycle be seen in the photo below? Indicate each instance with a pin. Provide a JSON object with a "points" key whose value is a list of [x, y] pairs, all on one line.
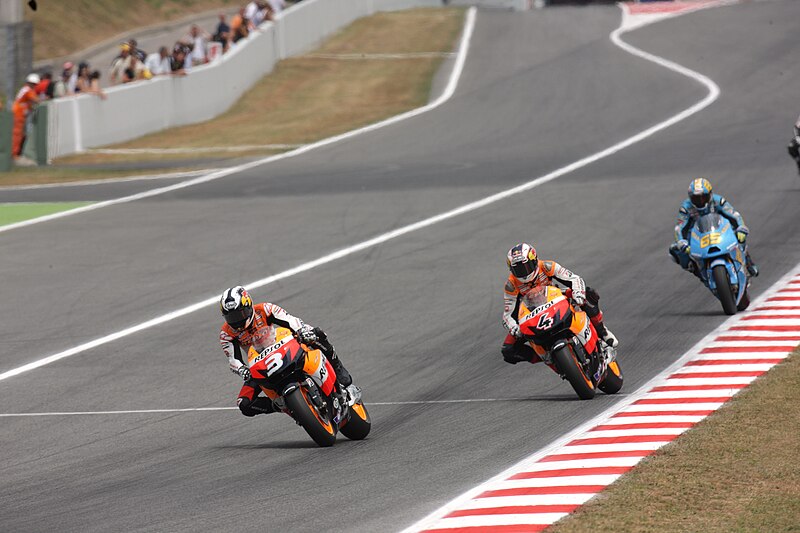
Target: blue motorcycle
{"points": [[720, 260]]}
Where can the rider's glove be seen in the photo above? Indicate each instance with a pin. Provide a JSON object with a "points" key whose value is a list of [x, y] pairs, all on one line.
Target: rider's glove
{"points": [[306, 334], [514, 331], [244, 372], [579, 297], [683, 246], [742, 232]]}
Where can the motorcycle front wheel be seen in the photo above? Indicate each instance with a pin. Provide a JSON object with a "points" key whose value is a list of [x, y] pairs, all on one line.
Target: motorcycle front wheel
{"points": [[612, 383], [724, 291], [316, 424], [358, 424], [568, 366]]}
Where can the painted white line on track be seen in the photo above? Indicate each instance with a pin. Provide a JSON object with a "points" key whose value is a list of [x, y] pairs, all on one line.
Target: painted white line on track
{"points": [[713, 94], [448, 92], [145, 177], [193, 409]]}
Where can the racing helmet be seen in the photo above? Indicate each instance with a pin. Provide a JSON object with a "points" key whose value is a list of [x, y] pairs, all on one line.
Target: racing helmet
{"points": [[237, 307], [523, 262], [700, 193]]}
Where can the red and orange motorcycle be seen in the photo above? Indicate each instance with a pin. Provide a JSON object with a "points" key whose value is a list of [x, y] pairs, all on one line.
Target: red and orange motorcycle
{"points": [[565, 339], [301, 382]]}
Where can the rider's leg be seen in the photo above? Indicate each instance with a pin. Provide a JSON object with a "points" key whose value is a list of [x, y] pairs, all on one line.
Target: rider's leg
{"points": [[794, 151], [516, 350], [250, 403], [683, 259], [342, 375], [594, 313], [752, 268]]}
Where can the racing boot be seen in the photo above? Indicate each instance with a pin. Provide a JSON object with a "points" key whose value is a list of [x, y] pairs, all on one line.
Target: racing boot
{"points": [[604, 332], [752, 268]]}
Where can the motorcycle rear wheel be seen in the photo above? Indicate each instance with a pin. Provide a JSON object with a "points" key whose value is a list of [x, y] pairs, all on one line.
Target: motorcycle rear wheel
{"points": [[318, 427], [568, 366], [724, 291], [612, 383], [359, 423]]}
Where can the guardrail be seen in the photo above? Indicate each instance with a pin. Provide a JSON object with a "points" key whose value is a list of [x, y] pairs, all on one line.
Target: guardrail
{"points": [[130, 111]]}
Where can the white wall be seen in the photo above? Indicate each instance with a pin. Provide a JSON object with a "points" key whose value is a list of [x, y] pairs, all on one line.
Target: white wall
{"points": [[130, 111]]}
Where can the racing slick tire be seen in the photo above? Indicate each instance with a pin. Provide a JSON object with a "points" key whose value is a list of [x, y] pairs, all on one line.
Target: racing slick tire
{"points": [[724, 291], [317, 424], [612, 383], [358, 424], [566, 361], [744, 303]]}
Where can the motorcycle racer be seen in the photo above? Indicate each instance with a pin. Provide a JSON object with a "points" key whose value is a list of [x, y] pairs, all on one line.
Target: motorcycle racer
{"points": [[246, 322], [702, 201], [529, 272], [794, 144]]}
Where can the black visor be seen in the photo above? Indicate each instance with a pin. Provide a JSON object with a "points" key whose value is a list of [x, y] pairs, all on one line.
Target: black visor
{"points": [[700, 200], [523, 270], [237, 319]]}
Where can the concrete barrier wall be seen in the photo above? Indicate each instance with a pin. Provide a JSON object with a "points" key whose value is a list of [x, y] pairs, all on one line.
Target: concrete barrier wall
{"points": [[130, 111]]}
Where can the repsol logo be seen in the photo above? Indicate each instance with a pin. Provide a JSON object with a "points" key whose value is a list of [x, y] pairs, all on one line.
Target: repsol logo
{"points": [[538, 310]]}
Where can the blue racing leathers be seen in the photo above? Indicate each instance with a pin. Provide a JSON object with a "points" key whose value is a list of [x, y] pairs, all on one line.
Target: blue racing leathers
{"points": [[687, 217]]}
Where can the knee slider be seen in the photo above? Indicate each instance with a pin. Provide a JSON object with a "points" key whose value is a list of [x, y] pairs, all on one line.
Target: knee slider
{"points": [[245, 406]]}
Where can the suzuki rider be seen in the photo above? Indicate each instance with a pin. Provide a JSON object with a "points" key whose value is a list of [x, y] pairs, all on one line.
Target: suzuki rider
{"points": [[701, 201], [794, 144], [529, 273], [245, 322]]}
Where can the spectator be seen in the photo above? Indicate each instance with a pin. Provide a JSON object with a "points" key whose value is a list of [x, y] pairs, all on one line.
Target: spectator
{"points": [[43, 89], [23, 104], [198, 39], [94, 85], [61, 85], [72, 76], [141, 55], [223, 34], [84, 83], [179, 65], [239, 26], [251, 9], [123, 62], [158, 63], [264, 12]]}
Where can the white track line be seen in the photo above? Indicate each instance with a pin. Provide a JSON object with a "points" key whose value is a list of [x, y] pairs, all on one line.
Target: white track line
{"points": [[452, 83], [380, 239], [192, 409], [144, 177]]}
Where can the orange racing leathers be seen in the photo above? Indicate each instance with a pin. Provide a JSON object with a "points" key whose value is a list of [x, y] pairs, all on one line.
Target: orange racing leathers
{"points": [[267, 318], [515, 349]]}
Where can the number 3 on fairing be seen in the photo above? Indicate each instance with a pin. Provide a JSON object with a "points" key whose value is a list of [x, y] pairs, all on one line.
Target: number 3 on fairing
{"points": [[274, 362], [545, 322]]}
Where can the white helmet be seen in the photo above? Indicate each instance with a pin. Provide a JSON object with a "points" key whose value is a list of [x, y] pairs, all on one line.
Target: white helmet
{"points": [[33, 78]]}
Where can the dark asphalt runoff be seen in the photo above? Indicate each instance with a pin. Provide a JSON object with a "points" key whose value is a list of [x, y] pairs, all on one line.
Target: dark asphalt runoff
{"points": [[416, 319]]}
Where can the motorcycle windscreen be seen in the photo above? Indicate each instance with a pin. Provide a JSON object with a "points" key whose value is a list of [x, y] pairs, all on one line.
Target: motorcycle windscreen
{"points": [[710, 222]]}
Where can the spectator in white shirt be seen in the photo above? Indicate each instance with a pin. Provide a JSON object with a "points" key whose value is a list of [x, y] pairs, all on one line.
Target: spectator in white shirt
{"points": [[197, 39], [158, 63]]}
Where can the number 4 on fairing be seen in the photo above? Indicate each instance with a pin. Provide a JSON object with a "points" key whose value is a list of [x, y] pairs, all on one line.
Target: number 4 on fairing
{"points": [[545, 322]]}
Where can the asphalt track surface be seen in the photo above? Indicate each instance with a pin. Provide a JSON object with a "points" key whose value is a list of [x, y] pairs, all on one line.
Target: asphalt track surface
{"points": [[415, 319]]}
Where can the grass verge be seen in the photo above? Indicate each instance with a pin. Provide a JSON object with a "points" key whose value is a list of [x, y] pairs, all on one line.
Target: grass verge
{"points": [[10, 213], [735, 471]]}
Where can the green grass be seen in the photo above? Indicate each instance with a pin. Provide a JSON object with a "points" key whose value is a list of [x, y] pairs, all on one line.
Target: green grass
{"points": [[10, 213]]}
